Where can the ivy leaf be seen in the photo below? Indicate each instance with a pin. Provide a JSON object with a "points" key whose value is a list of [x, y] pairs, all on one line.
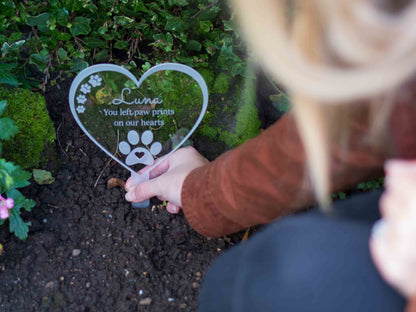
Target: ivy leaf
{"points": [[194, 45], [7, 128], [40, 61], [41, 21], [7, 66], [80, 26], [205, 26], [8, 78], [176, 24], [3, 104], [178, 2], [123, 20], [8, 48], [78, 66], [238, 69]]}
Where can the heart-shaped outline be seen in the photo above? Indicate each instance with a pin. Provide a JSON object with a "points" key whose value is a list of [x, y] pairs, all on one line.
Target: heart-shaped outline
{"points": [[115, 68]]}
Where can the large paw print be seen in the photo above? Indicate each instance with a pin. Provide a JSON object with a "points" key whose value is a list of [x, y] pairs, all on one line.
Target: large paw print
{"points": [[140, 155]]}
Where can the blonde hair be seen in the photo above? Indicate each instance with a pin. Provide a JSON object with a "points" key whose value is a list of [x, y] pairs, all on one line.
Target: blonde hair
{"points": [[329, 53]]}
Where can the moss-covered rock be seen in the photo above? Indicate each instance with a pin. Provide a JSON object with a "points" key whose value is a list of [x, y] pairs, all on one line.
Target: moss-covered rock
{"points": [[36, 130]]}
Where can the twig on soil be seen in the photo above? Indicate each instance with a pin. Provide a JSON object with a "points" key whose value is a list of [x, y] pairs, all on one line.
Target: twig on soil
{"points": [[83, 152], [102, 171]]}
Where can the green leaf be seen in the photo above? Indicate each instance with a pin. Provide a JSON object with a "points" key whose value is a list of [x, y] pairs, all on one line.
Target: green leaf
{"points": [[228, 25], [18, 198], [63, 36], [7, 66], [206, 26], [17, 225], [41, 21], [123, 20], [178, 2], [193, 45], [80, 26], [176, 24], [78, 66], [8, 78], [121, 45], [8, 48], [62, 54], [3, 104], [238, 69], [21, 177], [94, 43], [102, 56], [7, 128], [42, 176], [40, 61], [6, 181]]}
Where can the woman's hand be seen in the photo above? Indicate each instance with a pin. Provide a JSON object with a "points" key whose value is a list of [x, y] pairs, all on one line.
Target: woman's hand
{"points": [[166, 179], [393, 243]]}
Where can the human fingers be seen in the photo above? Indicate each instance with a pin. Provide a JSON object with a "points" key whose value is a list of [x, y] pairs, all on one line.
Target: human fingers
{"points": [[172, 208], [143, 191], [154, 173]]}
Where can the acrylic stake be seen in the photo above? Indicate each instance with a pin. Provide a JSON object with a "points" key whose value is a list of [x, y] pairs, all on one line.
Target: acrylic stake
{"points": [[134, 121]]}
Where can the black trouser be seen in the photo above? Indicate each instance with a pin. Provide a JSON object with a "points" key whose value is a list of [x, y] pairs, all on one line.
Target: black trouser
{"points": [[306, 262]]}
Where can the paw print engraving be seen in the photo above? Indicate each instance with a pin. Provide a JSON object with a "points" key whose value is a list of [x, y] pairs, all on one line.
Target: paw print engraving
{"points": [[85, 88], [81, 99], [80, 109], [95, 80], [140, 155]]}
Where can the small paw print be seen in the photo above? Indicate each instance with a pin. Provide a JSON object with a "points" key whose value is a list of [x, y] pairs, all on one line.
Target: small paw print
{"points": [[85, 88], [80, 109], [81, 99], [140, 155], [95, 80]]}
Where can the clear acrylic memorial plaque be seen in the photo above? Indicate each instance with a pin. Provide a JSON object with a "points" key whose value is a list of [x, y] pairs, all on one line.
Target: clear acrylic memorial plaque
{"points": [[138, 120]]}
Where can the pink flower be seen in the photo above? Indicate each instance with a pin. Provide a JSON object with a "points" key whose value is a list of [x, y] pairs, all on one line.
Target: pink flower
{"points": [[5, 205]]}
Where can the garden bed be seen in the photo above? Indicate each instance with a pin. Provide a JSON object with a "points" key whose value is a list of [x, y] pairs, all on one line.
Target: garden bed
{"points": [[88, 249]]}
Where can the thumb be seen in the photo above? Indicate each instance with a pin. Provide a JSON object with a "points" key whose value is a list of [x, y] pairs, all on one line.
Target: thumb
{"points": [[143, 191]]}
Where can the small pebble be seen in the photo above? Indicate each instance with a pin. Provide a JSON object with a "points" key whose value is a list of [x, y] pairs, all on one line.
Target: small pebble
{"points": [[170, 299], [76, 252], [183, 306], [145, 301], [88, 285], [195, 285], [140, 292], [50, 284]]}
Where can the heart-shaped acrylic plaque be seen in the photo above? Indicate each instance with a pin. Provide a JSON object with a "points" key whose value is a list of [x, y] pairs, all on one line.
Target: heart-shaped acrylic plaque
{"points": [[139, 120]]}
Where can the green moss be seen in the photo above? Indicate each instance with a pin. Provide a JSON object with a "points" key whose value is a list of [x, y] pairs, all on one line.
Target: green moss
{"points": [[29, 112], [247, 124], [221, 84]]}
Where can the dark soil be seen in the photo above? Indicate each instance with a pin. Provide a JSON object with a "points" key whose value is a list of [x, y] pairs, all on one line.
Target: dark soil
{"points": [[88, 249]]}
